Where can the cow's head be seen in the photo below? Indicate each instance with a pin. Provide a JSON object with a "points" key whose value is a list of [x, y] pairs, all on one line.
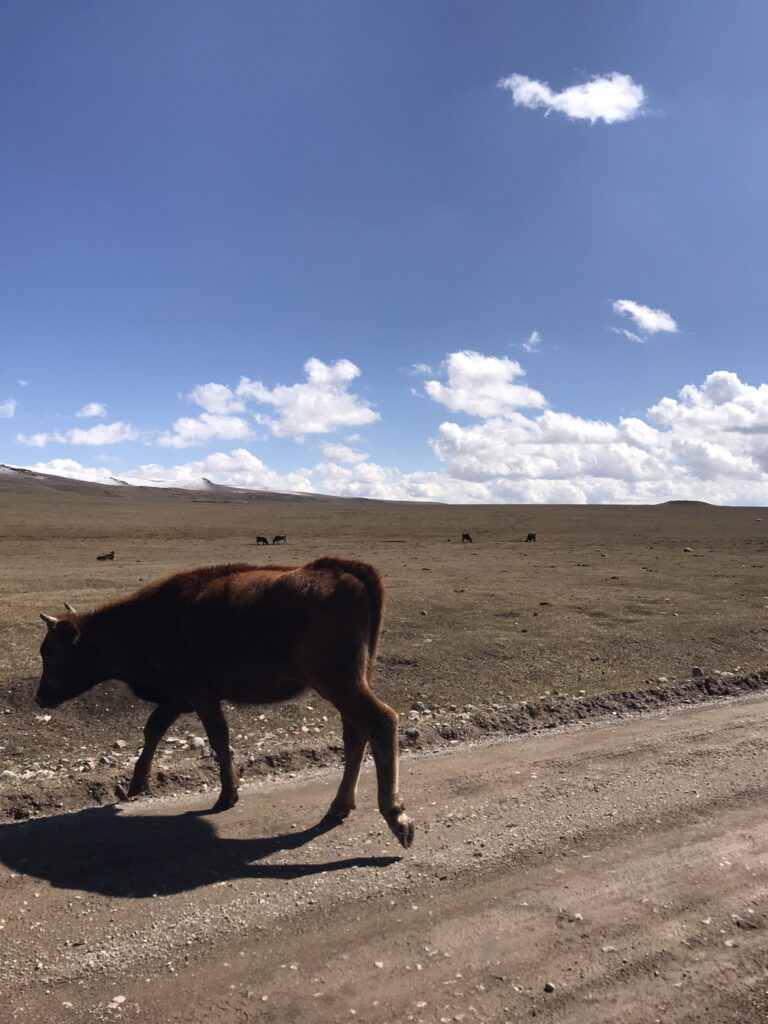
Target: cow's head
{"points": [[66, 670]]}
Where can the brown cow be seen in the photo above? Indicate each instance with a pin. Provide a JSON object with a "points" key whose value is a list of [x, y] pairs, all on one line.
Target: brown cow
{"points": [[249, 635]]}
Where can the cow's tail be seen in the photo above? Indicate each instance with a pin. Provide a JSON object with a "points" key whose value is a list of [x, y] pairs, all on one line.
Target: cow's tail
{"points": [[374, 587]]}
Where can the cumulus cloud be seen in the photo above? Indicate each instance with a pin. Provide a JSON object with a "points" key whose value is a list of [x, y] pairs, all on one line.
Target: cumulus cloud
{"points": [[609, 98], [483, 386], [188, 431], [217, 399], [342, 453], [8, 408], [710, 442], [532, 342], [91, 409], [319, 405], [646, 319], [238, 468], [102, 433]]}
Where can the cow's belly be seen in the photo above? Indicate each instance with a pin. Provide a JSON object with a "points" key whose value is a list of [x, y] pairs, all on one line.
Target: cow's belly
{"points": [[262, 691]]}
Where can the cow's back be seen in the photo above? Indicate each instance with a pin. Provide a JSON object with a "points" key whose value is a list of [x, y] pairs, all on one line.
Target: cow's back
{"points": [[258, 634]]}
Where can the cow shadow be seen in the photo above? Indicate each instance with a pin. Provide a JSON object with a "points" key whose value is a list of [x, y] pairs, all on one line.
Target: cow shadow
{"points": [[133, 856]]}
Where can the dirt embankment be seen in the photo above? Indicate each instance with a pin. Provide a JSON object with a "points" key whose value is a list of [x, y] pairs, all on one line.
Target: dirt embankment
{"points": [[100, 773]]}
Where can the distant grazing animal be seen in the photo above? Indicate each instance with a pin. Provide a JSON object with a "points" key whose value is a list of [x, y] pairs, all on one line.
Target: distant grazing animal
{"points": [[466, 539], [531, 537], [109, 557], [261, 540], [280, 538], [248, 635]]}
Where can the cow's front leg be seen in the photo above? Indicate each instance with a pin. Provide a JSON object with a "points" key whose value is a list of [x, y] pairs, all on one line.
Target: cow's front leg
{"points": [[158, 724], [215, 724]]}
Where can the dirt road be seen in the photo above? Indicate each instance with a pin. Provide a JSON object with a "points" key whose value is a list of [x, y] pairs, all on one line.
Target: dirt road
{"points": [[625, 864]]}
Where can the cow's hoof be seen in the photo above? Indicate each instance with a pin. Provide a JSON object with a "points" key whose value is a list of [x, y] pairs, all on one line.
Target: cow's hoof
{"points": [[403, 829], [338, 810], [225, 801]]}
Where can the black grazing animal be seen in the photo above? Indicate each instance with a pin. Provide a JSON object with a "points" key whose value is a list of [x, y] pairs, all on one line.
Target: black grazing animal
{"points": [[261, 540], [245, 634], [530, 538], [280, 538], [109, 557], [466, 539]]}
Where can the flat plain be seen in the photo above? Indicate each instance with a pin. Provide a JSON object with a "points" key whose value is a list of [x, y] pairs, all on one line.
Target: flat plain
{"points": [[606, 600], [608, 870]]}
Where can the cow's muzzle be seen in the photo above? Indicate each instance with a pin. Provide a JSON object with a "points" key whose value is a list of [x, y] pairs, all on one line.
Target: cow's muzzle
{"points": [[45, 699]]}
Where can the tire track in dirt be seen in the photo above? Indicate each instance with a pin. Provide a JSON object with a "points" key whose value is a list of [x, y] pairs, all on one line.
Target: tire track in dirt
{"points": [[624, 862]]}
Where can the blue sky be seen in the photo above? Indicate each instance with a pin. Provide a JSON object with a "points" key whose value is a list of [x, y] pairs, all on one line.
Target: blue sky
{"points": [[471, 252]]}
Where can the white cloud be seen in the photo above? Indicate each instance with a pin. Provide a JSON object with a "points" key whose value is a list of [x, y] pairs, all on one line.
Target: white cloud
{"points": [[23, 383], [238, 468], [610, 98], [92, 409], [532, 342], [483, 386], [710, 442], [217, 399], [648, 320], [420, 370], [341, 453], [188, 431], [8, 408], [628, 334], [102, 433], [319, 405]]}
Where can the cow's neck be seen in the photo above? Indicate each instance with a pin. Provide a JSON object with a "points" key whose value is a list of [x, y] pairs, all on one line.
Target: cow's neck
{"points": [[119, 633]]}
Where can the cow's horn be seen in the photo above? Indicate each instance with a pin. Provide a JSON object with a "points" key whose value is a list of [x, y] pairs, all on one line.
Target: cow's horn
{"points": [[70, 609], [49, 620]]}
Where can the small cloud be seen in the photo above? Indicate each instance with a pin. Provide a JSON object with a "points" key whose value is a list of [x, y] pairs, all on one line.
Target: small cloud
{"points": [[419, 370], [531, 344], [92, 409], [188, 431], [628, 334], [341, 453], [320, 404], [23, 383], [217, 399], [103, 433], [8, 409], [648, 320], [483, 386], [609, 98]]}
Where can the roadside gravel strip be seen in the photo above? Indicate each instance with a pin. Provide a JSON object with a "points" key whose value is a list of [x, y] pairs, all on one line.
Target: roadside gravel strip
{"points": [[613, 872], [49, 783]]}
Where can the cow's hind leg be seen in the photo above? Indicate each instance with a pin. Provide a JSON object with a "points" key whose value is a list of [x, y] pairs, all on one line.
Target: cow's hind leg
{"points": [[355, 743], [379, 723], [215, 724], [158, 724]]}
